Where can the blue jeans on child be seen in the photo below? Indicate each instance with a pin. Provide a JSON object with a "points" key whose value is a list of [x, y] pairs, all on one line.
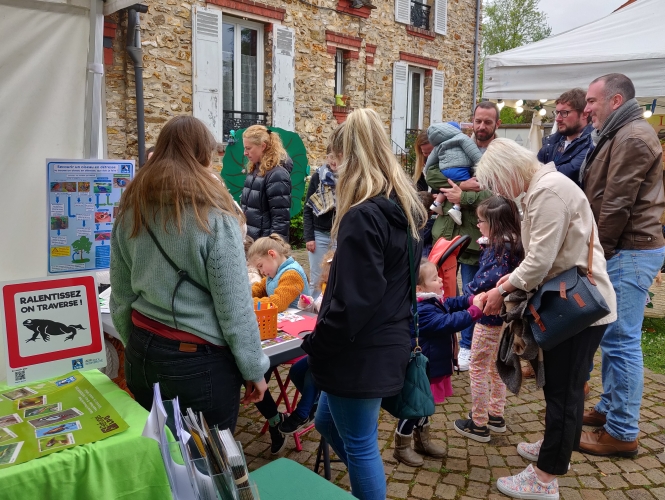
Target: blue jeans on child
{"points": [[468, 273], [351, 427], [322, 241], [631, 272], [302, 378]]}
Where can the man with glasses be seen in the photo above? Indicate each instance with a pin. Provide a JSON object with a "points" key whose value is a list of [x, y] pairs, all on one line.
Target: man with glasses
{"points": [[568, 146]]}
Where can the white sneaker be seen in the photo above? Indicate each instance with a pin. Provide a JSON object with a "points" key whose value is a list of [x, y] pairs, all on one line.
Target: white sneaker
{"points": [[526, 485], [463, 359], [530, 451], [436, 208], [455, 215]]}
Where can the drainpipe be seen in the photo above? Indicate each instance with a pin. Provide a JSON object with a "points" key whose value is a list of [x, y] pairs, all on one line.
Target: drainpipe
{"points": [[475, 58], [136, 53]]}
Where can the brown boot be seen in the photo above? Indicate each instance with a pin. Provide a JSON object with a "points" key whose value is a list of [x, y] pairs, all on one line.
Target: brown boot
{"points": [[404, 453], [600, 443], [593, 418], [423, 444]]}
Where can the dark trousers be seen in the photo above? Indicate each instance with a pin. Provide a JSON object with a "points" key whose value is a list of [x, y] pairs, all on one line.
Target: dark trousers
{"points": [[566, 370], [267, 407], [207, 380]]}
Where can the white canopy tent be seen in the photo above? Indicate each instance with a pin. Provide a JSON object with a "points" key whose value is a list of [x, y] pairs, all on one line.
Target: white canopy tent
{"points": [[628, 41]]}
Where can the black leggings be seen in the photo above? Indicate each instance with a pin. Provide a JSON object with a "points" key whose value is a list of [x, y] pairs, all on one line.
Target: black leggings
{"points": [[405, 427]]}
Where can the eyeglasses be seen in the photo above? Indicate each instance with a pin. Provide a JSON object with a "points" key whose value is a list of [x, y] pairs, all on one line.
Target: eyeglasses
{"points": [[480, 221], [564, 113]]}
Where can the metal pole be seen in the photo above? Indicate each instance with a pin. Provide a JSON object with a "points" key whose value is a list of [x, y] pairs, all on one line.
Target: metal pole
{"points": [[475, 59], [136, 53]]}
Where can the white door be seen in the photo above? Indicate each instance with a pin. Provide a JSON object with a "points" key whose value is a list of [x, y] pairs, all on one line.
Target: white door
{"points": [[415, 98]]}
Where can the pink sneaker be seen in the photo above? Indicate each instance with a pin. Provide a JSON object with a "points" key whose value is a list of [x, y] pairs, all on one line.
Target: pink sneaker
{"points": [[526, 485], [530, 451]]}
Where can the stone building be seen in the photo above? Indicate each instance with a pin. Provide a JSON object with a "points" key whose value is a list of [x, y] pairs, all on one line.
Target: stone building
{"points": [[233, 63]]}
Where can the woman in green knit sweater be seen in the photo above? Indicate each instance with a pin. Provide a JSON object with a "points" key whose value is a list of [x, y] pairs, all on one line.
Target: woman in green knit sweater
{"points": [[197, 336]]}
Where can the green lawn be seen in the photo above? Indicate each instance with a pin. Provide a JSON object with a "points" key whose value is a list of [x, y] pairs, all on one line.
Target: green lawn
{"points": [[653, 344]]}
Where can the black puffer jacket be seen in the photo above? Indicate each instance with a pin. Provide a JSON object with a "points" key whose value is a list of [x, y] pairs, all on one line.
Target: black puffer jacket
{"points": [[266, 201], [361, 344]]}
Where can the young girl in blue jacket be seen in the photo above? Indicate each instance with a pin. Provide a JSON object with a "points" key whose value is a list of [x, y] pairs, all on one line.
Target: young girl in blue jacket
{"points": [[439, 320], [501, 252]]}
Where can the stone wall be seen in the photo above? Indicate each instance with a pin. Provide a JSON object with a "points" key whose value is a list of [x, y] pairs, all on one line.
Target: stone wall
{"points": [[167, 44]]}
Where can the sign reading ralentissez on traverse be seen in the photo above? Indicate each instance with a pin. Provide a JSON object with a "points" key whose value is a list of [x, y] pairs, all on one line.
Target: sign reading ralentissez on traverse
{"points": [[50, 327]]}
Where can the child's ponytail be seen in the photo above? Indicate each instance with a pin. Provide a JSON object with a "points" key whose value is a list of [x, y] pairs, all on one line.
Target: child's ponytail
{"points": [[273, 155], [503, 219], [273, 242]]}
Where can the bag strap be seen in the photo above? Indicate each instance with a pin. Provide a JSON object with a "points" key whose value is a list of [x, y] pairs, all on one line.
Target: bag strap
{"points": [[182, 274], [589, 273]]}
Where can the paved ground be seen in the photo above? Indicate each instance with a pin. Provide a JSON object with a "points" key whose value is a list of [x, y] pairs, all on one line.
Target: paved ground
{"points": [[470, 469]]}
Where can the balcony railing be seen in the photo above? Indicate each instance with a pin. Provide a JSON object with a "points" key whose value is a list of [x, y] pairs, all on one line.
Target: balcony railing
{"points": [[235, 120], [420, 15]]}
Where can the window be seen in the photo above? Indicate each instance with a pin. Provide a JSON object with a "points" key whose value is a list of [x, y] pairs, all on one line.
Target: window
{"points": [[420, 14], [242, 74], [339, 72], [415, 99]]}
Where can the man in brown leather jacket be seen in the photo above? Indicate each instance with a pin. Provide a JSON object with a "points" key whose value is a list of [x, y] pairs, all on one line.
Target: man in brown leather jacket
{"points": [[622, 176]]}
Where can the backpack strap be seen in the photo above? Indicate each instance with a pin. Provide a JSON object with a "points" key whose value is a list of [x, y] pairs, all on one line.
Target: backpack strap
{"points": [[182, 274]]}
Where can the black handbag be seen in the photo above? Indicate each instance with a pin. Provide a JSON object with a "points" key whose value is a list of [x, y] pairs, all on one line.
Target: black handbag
{"points": [[565, 305], [415, 400]]}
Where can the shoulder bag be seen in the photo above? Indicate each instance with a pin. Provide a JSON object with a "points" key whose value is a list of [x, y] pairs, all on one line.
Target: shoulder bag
{"points": [[565, 305], [415, 400]]}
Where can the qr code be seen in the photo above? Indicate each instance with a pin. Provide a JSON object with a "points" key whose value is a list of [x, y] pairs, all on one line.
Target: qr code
{"points": [[19, 376]]}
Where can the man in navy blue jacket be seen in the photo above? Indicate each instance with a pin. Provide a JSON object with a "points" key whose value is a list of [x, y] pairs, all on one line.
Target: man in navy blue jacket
{"points": [[568, 146]]}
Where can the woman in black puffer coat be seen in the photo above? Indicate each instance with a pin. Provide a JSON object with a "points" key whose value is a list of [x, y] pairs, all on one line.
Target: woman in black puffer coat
{"points": [[266, 195]]}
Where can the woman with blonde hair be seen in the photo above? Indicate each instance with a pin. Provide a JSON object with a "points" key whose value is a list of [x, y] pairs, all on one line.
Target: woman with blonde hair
{"points": [[360, 346], [266, 195], [180, 298], [557, 227]]}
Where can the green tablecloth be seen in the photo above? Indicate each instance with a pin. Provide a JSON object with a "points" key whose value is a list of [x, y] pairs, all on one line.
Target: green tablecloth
{"points": [[122, 466]]}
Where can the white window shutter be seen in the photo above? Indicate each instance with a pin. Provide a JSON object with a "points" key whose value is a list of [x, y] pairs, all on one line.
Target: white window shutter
{"points": [[403, 11], [400, 91], [436, 111], [207, 67], [283, 78], [441, 17]]}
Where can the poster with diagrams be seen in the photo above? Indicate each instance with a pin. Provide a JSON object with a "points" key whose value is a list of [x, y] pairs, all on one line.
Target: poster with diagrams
{"points": [[83, 200]]}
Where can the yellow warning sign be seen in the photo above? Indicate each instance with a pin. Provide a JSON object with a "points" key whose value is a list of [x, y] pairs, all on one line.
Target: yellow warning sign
{"points": [[60, 251]]}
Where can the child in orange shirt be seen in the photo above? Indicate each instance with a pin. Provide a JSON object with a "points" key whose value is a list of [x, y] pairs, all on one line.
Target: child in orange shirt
{"points": [[284, 279]]}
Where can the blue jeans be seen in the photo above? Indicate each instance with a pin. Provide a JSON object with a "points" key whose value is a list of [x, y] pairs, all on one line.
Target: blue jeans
{"points": [[631, 272], [351, 427], [302, 378], [468, 273], [316, 258]]}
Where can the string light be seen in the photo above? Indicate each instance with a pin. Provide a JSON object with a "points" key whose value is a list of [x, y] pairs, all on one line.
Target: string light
{"points": [[519, 104], [542, 112], [543, 101], [648, 113], [519, 109], [500, 104]]}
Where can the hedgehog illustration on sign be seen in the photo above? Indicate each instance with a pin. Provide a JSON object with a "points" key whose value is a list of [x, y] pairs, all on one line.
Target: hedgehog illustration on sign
{"points": [[46, 328]]}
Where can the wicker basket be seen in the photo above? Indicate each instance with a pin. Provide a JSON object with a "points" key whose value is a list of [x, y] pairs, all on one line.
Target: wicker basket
{"points": [[266, 317]]}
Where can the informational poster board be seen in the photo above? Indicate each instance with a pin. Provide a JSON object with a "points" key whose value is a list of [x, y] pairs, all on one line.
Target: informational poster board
{"points": [[43, 418], [82, 203], [50, 326]]}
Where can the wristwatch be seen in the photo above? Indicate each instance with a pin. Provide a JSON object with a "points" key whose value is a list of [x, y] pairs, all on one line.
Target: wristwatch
{"points": [[502, 291]]}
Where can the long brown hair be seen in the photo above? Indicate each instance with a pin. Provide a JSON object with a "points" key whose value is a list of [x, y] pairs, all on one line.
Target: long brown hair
{"points": [[177, 176], [503, 219], [421, 139], [273, 155], [369, 168]]}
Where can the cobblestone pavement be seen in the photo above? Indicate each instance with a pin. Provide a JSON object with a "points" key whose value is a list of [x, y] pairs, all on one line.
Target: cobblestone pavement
{"points": [[470, 470]]}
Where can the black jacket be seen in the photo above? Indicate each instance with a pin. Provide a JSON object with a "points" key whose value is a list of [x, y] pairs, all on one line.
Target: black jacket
{"points": [[567, 162], [311, 222], [266, 201], [361, 343]]}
